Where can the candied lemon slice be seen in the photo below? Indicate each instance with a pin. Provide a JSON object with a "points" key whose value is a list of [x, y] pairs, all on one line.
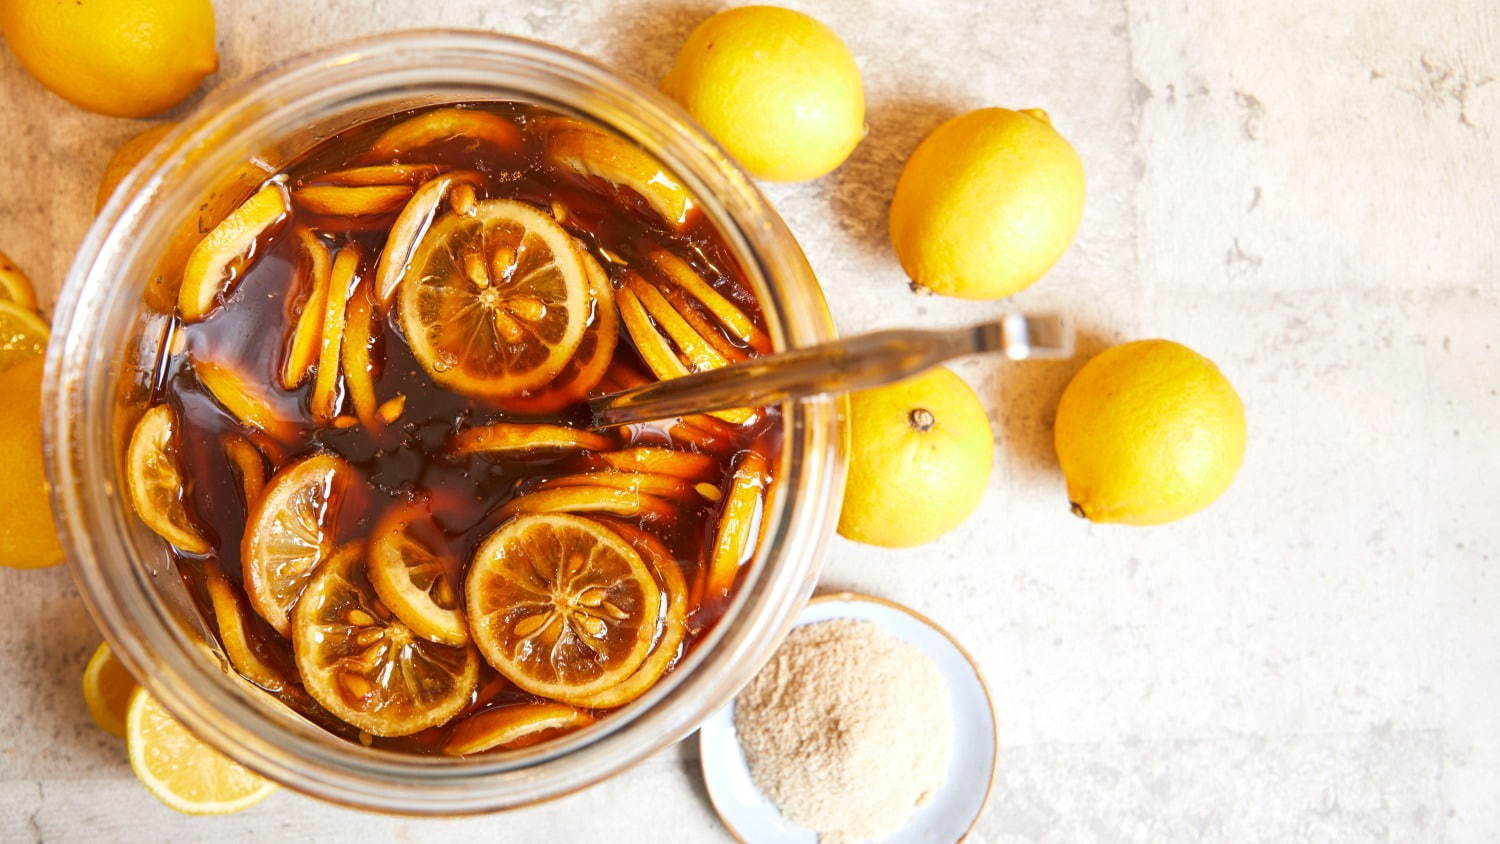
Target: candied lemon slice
{"points": [[366, 667], [248, 464], [106, 690], [523, 438], [591, 499], [157, 490], [352, 201], [592, 359], [23, 335], [591, 151], [15, 286], [417, 582], [652, 483], [735, 321], [512, 727], [407, 232], [700, 353], [447, 124], [658, 353], [382, 174], [326, 397], [244, 400], [674, 622], [496, 301], [183, 772], [313, 268], [737, 522], [230, 619], [222, 256], [700, 432], [689, 310], [667, 461], [561, 605], [358, 365], [287, 534]]}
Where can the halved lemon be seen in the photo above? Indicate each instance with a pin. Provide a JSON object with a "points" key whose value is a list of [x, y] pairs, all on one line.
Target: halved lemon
{"points": [[244, 400], [674, 621], [23, 335], [596, 350], [248, 463], [221, 257], [183, 772], [591, 499], [667, 461], [15, 286], [106, 690], [518, 438], [326, 397], [735, 321], [360, 332], [416, 579], [653, 483], [230, 619], [157, 488], [313, 274], [288, 533], [352, 201], [366, 667], [512, 727], [737, 522], [562, 606], [591, 151], [474, 128], [496, 301]]}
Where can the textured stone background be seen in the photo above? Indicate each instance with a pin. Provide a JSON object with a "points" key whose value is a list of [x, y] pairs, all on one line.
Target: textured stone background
{"points": [[1307, 193]]}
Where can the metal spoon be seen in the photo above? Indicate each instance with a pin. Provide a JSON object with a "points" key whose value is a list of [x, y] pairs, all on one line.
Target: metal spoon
{"points": [[852, 363]]}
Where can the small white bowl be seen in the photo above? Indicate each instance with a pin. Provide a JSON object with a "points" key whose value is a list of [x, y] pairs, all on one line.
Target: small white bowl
{"points": [[953, 810]]}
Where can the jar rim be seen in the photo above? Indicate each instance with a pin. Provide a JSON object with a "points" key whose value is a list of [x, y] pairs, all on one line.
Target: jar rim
{"points": [[104, 544]]}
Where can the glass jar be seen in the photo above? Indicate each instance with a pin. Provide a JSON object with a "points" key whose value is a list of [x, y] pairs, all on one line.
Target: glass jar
{"points": [[110, 320]]}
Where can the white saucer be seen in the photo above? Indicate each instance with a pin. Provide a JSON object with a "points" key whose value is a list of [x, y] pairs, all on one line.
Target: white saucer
{"points": [[953, 810]]}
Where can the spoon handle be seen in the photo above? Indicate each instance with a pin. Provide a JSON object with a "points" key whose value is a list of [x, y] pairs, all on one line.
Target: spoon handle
{"points": [[852, 363]]}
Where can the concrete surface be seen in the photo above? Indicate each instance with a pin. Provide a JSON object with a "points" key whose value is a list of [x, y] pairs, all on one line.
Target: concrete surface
{"points": [[1307, 193]]}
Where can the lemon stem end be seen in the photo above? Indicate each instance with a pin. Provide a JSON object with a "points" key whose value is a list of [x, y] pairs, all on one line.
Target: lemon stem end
{"points": [[921, 419]]}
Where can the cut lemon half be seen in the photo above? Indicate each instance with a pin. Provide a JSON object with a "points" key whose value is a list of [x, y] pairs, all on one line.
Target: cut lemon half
{"points": [[495, 302], [14, 285], [592, 359], [313, 267], [674, 621], [517, 438], [590, 151], [366, 667], [512, 727], [106, 689], [472, 127], [737, 522], [231, 621], [23, 335], [562, 606], [183, 772], [288, 533], [221, 257], [667, 461], [591, 499], [244, 400], [416, 581], [157, 489]]}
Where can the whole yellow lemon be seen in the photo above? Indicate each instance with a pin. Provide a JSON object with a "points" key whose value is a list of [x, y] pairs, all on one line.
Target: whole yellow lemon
{"points": [[986, 204], [919, 460], [1148, 432], [27, 537], [125, 58], [777, 88], [125, 158]]}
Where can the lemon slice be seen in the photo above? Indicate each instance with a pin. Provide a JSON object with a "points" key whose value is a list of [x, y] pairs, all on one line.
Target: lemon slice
{"points": [[674, 621], [287, 534], [666, 461], [471, 127], [313, 267], [106, 690], [737, 522], [515, 438], [23, 335], [698, 351], [366, 667], [382, 174], [222, 256], [249, 465], [735, 321], [183, 772], [591, 499], [244, 400], [15, 286], [231, 621], [355, 201], [515, 726], [658, 353], [590, 151], [495, 302], [407, 232], [324, 403], [594, 354], [156, 482], [414, 580], [562, 606], [652, 483], [360, 331]]}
